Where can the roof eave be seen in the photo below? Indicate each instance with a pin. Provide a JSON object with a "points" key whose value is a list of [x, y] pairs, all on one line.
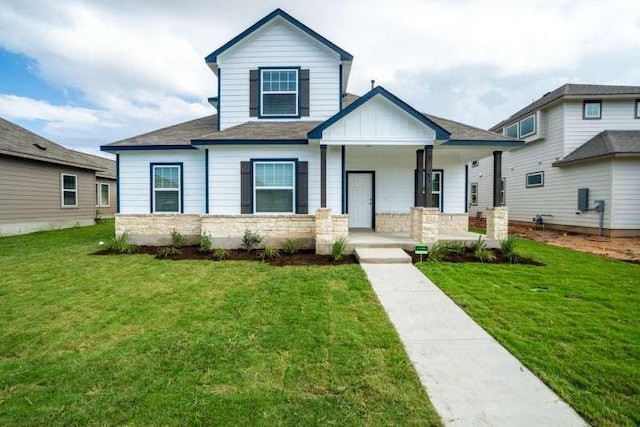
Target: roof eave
{"points": [[115, 148], [47, 160], [562, 163]]}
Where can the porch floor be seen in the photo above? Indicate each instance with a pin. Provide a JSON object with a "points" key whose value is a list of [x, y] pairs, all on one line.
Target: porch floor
{"points": [[372, 239]]}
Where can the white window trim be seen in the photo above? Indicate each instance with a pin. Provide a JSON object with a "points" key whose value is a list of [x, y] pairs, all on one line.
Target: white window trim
{"points": [[439, 191], [471, 194], [99, 194], [541, 173], [503, 191], [63, 190], [516, 124], [535, 126], [154, 189], [268, 92], [292, 187], [584, 109], [637, 111]]}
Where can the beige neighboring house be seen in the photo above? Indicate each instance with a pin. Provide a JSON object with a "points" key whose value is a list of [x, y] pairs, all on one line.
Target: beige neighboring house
{"points": [[44, 185]]}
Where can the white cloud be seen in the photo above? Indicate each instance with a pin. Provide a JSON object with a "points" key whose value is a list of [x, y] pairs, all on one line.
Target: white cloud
{"points": [[142, 66]]}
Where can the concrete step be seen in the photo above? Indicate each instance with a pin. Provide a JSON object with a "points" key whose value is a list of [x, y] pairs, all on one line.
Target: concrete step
{"points": [[382, 256]]}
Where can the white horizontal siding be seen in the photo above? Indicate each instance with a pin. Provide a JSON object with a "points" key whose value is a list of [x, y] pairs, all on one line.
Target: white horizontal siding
{"points": [[616, 115], [626, 194], [224, 172], [378, 121], [278, 45], [394, 179], [135, 179]]}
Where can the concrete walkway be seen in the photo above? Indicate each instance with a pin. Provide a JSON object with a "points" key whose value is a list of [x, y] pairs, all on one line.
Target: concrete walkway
{"points": [[470, 378]]}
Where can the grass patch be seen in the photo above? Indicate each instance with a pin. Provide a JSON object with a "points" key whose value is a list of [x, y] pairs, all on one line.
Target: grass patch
{"points": [[575, 322], [139, 341]]}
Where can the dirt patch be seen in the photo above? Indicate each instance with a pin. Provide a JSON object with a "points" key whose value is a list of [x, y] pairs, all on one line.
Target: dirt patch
{"points": [[467, 256], [303, 257], [621, 248]]}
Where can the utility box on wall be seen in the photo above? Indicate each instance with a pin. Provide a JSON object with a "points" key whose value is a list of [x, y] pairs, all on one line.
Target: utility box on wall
{"points": [[583, 199]]}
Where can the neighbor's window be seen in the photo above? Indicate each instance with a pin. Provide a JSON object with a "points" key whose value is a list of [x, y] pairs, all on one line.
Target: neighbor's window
{"points": [[69, 191], [535, 179], [511, 131], [166, 188], [279, 92], [102, 195], [436, 189], [274, 187], [528, 126], [474, 194], [503, 192], [637, 108], [592, 110]]}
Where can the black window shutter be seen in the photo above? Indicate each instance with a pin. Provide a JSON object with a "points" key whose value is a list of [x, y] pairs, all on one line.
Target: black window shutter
{"points": [[245, 187], [304, 93], [253, 93], [302, 186]]}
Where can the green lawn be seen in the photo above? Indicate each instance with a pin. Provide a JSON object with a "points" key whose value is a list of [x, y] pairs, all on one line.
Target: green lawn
{"points": [[133, 340], [574, 322]]}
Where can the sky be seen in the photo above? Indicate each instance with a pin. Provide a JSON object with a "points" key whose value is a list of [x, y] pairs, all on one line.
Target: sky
{"points": [[86, 73]]}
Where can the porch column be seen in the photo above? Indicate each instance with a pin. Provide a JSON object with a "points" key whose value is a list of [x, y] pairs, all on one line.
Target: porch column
{"points": [[428, 170], [497, 177], [419, 175], [323, 176]]}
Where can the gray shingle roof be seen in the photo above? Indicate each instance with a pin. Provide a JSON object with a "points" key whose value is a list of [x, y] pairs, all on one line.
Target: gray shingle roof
{"points": [[609, 143], [462, 132], [19, 142], [180, 134], [570, 89], [262, 131]]}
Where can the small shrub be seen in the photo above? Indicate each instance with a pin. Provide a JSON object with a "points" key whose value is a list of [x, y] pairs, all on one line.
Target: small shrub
{"points": [[220, 254], [204, 243], [268, 253], [508, 249], [437, 252], [251, 240], [338, 248], [167, 251], [177, 240], [121, 245], [98, 216], [454, 247], [290, 247], [478, 244], [483, 254]]}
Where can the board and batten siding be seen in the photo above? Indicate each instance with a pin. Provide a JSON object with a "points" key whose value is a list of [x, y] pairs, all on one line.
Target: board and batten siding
{"points": [[616, 115], [31, 200], [278, 45], [626, 194], [224, 173], [394, 179], [135, 179]]}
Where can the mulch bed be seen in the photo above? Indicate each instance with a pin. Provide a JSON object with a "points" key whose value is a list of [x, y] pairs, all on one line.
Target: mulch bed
{"points": [[467, 256], [303, 257]]}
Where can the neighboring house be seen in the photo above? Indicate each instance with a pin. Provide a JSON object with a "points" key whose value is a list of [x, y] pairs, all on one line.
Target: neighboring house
{"points": [[582, 146], [292, 155], [44, 185], [106, 186]]}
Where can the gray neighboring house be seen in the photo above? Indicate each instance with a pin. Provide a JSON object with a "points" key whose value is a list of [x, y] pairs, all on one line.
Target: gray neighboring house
{"points": [[45, 186], [582, 147]]}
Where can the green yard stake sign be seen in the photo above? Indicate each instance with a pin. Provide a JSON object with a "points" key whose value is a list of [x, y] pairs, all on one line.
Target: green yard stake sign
{"points": [[421, 250]]}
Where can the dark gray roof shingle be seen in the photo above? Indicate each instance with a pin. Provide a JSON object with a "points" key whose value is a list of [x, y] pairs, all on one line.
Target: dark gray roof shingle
{"points": [[462, 132], [609, 143], [180, 134], [261, 131], [19, 142], [570, 89]]}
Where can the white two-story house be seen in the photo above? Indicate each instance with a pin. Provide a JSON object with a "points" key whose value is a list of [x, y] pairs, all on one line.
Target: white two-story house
{"points": [[292, 155], [579, 169]]}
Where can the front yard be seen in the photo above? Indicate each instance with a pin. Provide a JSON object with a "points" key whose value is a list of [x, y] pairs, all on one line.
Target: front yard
{"points": [[574, 322], [139, 341]]}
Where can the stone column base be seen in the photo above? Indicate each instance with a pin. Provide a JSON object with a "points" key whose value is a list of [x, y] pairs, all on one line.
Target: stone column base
{"points": [[497, 223]]}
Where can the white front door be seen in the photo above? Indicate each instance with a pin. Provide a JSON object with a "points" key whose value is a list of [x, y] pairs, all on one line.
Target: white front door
{"points": [[360, 200]]}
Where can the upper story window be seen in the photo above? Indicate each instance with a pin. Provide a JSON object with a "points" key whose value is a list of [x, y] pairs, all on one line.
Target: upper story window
{"points": [[279, 92], [637, 109], [528, 126], [511, 131], [592, 110]]}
